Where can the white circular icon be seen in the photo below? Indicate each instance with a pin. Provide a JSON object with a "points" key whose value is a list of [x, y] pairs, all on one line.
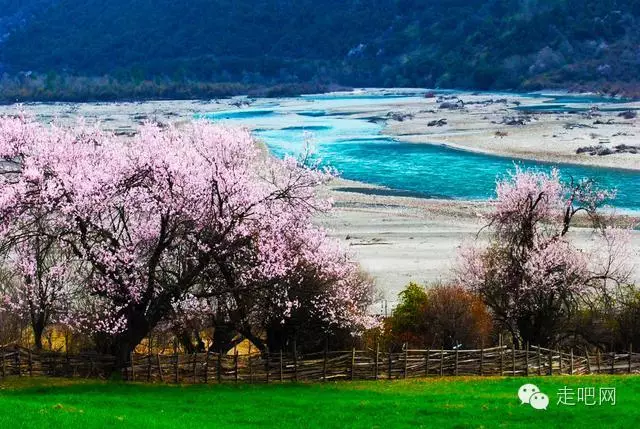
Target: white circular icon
{"points": [[539, 401], [525, 392]]}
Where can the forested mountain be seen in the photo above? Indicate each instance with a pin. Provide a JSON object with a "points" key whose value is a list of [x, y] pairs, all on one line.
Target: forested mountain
{"points": [[54, 47]]}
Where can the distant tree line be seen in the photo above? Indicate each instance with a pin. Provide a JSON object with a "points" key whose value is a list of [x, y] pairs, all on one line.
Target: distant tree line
{"points": [[55, 87]]}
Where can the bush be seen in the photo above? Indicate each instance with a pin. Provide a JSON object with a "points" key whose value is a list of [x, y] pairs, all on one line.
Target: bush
{"points": [[441, 316], [629, 320], [610, 325]]}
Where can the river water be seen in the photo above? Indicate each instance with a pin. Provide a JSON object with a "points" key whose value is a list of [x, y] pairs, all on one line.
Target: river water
{"points": [[358, 150]]}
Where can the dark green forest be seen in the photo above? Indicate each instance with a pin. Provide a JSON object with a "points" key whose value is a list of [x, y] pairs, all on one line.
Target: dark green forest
{"points": [[69, 49]]}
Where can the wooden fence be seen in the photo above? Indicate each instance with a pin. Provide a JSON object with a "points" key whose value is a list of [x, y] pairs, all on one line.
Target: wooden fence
{"points": [[322, 366], [20, 361]]}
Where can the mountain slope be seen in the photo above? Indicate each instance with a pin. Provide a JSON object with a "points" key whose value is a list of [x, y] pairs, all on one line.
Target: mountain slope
{"points": [[15, 14], [485, 44]]}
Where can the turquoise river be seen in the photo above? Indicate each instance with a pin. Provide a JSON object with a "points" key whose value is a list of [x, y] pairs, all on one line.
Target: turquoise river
{"points": [[358, 150]]}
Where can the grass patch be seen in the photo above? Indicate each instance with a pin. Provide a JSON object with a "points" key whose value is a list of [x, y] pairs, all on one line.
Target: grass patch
{"points": [[437, 402]]}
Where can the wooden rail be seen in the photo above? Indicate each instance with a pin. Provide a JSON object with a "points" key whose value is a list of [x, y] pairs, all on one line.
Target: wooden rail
{"points": [[323, 366]]}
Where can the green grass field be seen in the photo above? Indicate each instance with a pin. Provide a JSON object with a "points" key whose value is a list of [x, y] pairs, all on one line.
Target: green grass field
{"points": [[430, 403]]}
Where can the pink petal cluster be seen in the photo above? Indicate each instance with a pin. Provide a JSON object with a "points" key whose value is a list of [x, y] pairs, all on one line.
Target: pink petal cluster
{"points": [[525, 190], [530, 265], [155, 223]]}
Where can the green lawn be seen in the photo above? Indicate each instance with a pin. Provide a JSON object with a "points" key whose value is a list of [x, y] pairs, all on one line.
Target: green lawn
{"points": [[431, 403]]}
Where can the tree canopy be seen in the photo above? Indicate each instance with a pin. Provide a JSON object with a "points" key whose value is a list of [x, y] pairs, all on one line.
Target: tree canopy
{"points": [[116, 237]]}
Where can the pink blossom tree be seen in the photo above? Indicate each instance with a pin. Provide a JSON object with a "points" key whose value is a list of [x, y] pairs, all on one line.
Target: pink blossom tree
{"points": [[166, 218], [40, 284], [530, 274]]}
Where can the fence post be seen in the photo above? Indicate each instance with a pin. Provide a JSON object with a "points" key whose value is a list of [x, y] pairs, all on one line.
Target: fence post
{"points": [[456, 364], [31, 364], [69, 369], [390, 363], [513, 360], [353, 362], [176, 367], [281, 369], [613, 362], [571, 362], [526, 360], [4, 365], [267, 363], [250, 366], [149, 366], [426, 363], [406, 358], [441, 361], [194, 367], [481, 359], [206, 367], [235, 364], [550, 362], [377, 362], [219, 367], [539, 361], [501, 356], [324, 364], [560, 361], [19, 365], [295, 360], [160, 367], [66, 351], [325, 357], [588, 361], [133, 374], [630, 352], [598, 360]]}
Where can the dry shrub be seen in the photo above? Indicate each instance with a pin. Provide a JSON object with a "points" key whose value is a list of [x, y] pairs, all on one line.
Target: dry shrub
{"points": [[440, 316]]}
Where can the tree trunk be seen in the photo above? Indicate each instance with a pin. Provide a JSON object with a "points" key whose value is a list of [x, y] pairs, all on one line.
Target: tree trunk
{"points": [[200, 345], [276, 337], [124, 343], [37, 336], [185, 339], [222, 337], [38, 326]]}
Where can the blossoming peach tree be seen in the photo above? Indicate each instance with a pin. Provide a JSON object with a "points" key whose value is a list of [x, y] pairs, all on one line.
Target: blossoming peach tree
{"points": [[530, 273], [171, 225]]}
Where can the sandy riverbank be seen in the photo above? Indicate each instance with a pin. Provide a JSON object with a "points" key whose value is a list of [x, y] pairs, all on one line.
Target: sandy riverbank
{"points": [[490, 124], [403, 239], [400, 239]]}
